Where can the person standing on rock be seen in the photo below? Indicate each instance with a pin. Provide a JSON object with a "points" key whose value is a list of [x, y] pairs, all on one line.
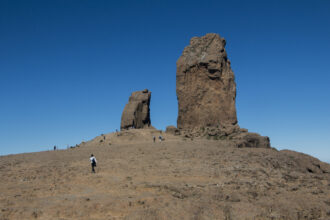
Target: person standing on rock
{"points": [[154, 138], [93, 162]]}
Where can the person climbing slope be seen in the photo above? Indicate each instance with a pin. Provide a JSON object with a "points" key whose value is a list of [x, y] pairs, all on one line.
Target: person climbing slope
{"points": [[93, 162]]}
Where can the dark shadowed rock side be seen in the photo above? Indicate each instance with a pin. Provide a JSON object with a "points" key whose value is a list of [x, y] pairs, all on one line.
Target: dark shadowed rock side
{"points": [[206, 92], [136, 113]]}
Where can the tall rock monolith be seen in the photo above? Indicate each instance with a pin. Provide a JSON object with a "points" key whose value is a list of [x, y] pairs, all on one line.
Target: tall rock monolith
{"points": [[136, 113], [205, 84], [206, 92]]}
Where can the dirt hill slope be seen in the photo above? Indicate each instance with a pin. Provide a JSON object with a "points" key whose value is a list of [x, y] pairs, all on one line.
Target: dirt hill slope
{"points": [[173, 179]]}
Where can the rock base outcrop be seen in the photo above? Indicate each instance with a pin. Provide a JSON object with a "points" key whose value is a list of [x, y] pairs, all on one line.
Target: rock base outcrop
{"points": [[239, 136]]}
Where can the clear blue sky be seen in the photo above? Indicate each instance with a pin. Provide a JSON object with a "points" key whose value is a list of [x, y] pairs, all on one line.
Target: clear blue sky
{"points": [[67, 68]]}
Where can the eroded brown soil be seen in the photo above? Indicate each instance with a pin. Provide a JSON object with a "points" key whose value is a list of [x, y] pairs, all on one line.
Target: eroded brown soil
{"points": [[174, 179]]}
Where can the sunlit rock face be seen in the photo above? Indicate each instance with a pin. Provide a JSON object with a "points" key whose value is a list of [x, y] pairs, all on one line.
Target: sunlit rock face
{"points": [[205, 84]]}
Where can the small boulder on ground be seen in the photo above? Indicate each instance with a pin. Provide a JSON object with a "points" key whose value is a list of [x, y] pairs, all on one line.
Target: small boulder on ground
{"points": [[172, 130], [248, 139]]}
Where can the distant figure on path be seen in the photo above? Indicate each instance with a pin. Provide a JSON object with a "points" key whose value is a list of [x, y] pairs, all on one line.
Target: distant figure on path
{"points": [[154, 138], [93, 162], [54, 147], [160, 138]]}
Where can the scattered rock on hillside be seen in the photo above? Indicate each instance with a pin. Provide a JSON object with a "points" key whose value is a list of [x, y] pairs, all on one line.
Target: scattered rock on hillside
{"points": [[172, 179], [136, 113]]}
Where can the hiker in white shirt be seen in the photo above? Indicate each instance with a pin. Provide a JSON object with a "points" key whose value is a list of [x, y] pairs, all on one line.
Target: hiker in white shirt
{"points": [[93, 162]]}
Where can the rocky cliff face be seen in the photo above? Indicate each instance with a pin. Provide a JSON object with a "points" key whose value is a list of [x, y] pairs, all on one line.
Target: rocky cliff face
{"points": [[206, 91], [205, 84], [136, 113]]}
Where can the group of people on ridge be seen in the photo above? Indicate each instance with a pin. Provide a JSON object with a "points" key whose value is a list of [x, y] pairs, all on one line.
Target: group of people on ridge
{"points": [[160, 138]]}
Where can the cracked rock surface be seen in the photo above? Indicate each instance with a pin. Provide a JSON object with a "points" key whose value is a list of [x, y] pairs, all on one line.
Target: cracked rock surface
{"points": [[205, 84]]}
